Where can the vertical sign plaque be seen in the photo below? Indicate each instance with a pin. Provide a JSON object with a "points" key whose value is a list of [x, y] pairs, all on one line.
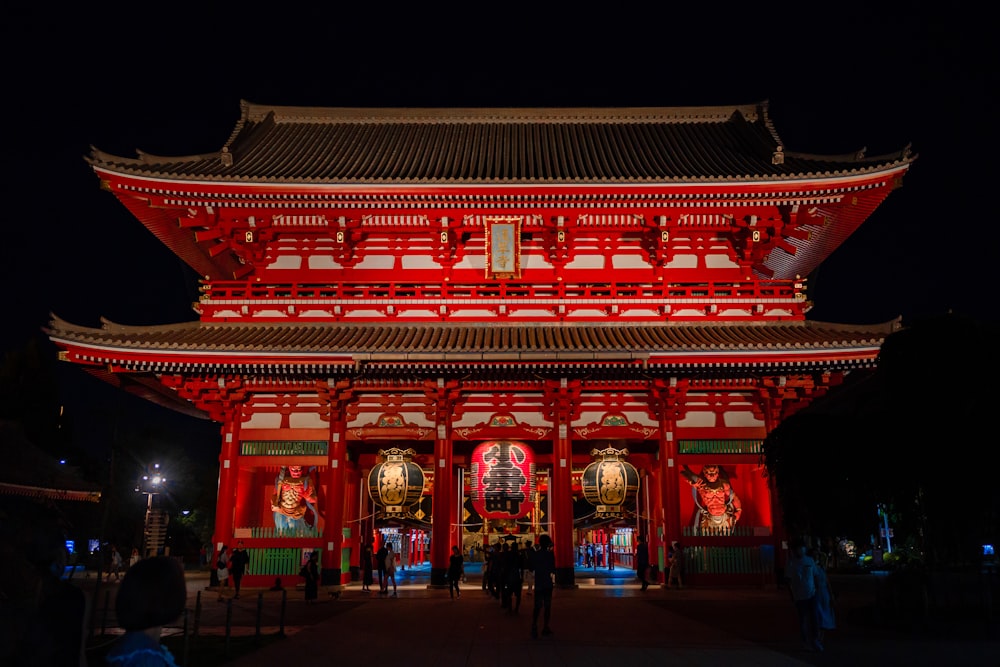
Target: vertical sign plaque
{"points": [[503, 246]]}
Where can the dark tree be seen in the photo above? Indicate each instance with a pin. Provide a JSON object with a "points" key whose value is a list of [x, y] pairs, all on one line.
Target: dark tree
{"points": [[913, 436]]}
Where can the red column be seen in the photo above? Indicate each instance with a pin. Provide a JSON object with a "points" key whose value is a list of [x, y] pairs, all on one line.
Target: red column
{"points": [[333, 513], [352, 514], [671, 489], [445, 395], [561, 527], [441, 522], [779, 532], [562, 398], [225, 505], [670, 398]]}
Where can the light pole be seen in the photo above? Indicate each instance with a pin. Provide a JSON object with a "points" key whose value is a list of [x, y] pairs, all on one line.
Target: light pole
{"points": [[154, 528]]}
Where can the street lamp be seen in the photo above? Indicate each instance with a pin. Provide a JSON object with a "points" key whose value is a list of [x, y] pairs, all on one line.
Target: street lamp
{"points": [[154, 530]]}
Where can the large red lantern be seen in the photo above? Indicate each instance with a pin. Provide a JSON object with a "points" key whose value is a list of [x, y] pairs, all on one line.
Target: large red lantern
{"points": [[397, 483], [503, 479], [610, 483]]}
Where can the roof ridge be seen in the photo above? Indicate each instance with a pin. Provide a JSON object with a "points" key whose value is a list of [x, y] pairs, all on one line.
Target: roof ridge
{"points": [[362, 115]]}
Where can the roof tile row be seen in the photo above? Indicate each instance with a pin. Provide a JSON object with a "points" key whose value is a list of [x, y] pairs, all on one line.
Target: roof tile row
{"points": [[499, 146]]}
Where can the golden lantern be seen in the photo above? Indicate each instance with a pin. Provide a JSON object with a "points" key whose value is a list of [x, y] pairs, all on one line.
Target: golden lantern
{"points": [[610, 483], [397, 483]]}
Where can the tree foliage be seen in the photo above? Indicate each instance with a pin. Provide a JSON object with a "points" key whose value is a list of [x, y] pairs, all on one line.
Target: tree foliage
{"points": [[913, 436]]}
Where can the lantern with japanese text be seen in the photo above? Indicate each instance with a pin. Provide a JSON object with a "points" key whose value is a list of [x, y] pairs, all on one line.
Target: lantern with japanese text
{"points": [[397, 483], [610, 483], [503, 479]]}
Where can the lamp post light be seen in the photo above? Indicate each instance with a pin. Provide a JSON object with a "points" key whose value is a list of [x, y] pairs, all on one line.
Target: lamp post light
{"points": [[155, 524]]}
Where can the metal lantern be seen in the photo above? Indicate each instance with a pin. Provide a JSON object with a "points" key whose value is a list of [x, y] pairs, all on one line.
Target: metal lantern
{"points": [[397, 483], [610, 483], [503, 479]]}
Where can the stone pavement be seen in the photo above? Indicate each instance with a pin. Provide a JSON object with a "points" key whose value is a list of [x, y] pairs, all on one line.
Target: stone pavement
{"points": [[605, 620]]}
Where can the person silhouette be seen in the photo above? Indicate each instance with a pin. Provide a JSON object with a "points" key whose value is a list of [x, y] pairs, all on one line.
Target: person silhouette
{"points": [[152, 594], [642, 562], [800, 576], [238, 563], [44, 615], [545, 567], [390, 569], [456, 568], [380, 566], [222, 570], [366, 567], [310, 571]]}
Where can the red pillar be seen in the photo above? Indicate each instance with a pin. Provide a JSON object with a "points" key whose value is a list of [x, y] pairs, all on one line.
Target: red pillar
{"points": [[445, 395], [352, 515], [333, 513], [441, 522], [562, 397], [561, 527], [670, 397], [225, 505], [674, 526], [779, 532]]}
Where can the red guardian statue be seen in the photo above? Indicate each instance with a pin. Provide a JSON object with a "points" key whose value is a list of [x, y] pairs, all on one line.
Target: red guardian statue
{"points": [[294, 495], [718, 506]]}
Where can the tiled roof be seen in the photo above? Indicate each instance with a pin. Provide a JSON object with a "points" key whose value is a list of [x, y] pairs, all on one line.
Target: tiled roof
{"points": [[484, 341], [413, 146], [27, 471]]}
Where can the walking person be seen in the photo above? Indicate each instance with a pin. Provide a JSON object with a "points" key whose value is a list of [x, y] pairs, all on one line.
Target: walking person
{"points": [[642, 562], [675, 561], [545, 568], [366, 567], [116, 564], [512, 579], [496, 571], [153, 593], [529, 566], [310, 572], [390, 570], [380, 566], [487, 567], [825, 618], [456, 568], [222, 570], [505, 563], [238, 563], [800, 576]]}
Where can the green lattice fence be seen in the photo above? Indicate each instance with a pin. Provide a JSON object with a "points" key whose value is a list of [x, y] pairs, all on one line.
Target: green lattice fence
{"points": [[719, 446], [276, 562], [271, 531], [283, 448], [729, 560]]}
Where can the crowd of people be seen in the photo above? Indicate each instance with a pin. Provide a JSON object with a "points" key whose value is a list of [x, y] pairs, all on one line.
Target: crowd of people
{"points": [[508, 567]]}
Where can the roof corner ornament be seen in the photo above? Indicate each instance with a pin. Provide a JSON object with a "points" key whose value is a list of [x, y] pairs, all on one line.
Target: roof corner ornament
{"points": [[778, 156], [226, 157], [860, 155]]}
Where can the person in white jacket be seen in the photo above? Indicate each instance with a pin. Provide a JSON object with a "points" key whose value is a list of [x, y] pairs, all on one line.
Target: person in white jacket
{"points": [[390, 569]]}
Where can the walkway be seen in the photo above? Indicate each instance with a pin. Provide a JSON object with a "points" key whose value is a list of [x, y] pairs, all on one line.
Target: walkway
{"points": [[605, 620]]}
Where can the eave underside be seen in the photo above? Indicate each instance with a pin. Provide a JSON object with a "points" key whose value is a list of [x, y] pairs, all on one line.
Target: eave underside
{"points": [[404, 357]]}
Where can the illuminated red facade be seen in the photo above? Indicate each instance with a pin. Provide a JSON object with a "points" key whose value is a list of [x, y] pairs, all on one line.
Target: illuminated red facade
{"points": [[434, 279]]}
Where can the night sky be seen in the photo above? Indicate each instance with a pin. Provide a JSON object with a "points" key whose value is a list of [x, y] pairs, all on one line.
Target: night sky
{"points": [[168, 81]]}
